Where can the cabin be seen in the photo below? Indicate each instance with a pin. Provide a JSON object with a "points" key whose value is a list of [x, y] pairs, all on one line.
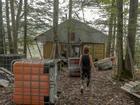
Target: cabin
{"points": [[81, 34]]}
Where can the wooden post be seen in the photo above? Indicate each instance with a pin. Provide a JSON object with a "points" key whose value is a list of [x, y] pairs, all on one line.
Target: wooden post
{"points": [[55, 26]]}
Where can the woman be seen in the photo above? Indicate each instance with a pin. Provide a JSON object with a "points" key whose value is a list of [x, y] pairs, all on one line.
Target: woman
{"points": [[85, 63]]}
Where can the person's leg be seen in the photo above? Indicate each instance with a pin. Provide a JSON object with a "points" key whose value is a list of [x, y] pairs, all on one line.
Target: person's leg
{"points": [[82, 77], [82, 80], [88, 77]]}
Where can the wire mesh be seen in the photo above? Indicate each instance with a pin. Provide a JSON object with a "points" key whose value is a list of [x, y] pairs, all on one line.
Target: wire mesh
{"points": [[6, 60]]}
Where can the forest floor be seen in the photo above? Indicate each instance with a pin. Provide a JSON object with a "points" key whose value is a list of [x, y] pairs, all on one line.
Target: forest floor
{"points": [[103, 91]]}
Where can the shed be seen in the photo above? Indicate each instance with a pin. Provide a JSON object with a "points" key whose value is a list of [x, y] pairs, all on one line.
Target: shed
{"points": [[81, 34]]}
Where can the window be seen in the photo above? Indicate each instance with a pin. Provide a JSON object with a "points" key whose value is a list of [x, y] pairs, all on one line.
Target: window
{"points": [[72, 36]]}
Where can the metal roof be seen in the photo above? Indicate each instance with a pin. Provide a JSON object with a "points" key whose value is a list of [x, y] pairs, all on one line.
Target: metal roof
{"points": [[83, 32]]}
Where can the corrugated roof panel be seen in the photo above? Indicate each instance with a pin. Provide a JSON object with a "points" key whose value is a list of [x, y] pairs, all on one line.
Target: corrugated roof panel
{"points": [[82, 32]]}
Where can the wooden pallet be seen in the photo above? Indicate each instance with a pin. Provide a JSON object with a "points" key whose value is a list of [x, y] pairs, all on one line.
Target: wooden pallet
{"points": [[132, 87]]}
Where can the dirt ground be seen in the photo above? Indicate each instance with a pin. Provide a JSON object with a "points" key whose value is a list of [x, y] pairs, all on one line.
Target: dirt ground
{"points": [[103, 91]]}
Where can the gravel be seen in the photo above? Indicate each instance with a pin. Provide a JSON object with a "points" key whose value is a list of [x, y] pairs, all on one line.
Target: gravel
{"points": [[103, 91]]}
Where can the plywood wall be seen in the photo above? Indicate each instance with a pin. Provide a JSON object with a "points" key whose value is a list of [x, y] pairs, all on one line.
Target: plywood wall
{"points": [[97, 51], [47, 49]]}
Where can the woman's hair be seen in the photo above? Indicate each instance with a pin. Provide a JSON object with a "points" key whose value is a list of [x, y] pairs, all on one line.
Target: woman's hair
{"points": [[86, 50]]}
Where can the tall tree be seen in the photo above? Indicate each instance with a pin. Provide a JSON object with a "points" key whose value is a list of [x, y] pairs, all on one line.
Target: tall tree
{"points": [[108, 50], [13, 25], [69, 28], [55, 26], [1, 30], [70, 9], [10, 41], [25, 27], [114, 36], [132, 25], [15, 21], [18, 17], [120, 37]]}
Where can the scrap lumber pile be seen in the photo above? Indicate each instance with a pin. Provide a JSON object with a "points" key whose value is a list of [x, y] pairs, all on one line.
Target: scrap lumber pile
{"points": [[104, 64], [6, 90], [133, 87]]}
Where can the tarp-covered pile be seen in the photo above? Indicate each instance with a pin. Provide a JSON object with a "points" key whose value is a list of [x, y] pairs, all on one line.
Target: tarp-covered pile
{"points": [[104, 64], [6, 87]]}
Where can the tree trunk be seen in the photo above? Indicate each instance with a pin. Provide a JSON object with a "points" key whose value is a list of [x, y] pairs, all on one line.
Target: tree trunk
{"points": [[70, 9], [10, 41], [131, 34], [108, 49], [114, 36], [25, 27], [120, 37], [13, 25], [18, 19], [1, 30], [4, 42], [69, 28], [55, 26]]}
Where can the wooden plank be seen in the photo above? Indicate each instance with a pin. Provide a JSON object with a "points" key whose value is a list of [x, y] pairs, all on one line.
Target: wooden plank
{"points": [[133, 83], [127, 90], [47, 49], [98, 45], [135, 94], [99, 55], [99, 52], [129, 85], [138, 82]]}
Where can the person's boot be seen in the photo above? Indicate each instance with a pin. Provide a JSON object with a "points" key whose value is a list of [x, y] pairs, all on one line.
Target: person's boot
{"points": [[87, 85], [82, 89], [88, 81]]}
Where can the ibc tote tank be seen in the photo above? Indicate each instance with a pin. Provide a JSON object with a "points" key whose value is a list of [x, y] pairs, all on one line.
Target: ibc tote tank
{"points": [[35, 82]]}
